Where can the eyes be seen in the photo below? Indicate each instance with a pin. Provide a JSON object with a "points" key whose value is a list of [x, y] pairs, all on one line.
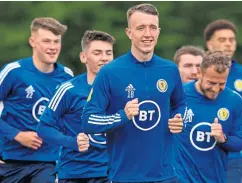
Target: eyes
{"points": [[100, 52], [142, 27], [223, 40], [48, 41]]}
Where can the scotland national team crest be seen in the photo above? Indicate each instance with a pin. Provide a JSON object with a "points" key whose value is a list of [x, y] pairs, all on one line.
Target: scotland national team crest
{"points": [[223, 114], [162, 85], [238, 85]]}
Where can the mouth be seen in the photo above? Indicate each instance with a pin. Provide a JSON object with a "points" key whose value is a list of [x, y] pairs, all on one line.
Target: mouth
{"points": [[52, 54], [147, 41]]}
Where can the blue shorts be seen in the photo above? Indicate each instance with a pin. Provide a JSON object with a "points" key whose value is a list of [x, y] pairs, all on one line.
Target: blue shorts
{"points": [[172, 180], [87, 180], [234, 171], [28, 171]]}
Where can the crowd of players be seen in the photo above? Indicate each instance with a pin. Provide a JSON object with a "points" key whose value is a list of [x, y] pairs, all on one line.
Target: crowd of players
{"points": [[140, 119]]}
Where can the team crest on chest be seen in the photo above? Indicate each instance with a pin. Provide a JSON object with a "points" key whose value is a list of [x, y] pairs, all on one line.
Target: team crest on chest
{"points": [[223, 114], [130, 90], [238, 85], [162, 85]]}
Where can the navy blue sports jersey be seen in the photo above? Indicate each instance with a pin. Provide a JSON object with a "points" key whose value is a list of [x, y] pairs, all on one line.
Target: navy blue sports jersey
{"points": [[60, 124], [139, 149], [234, 82], [198, 157], [25, 91]]}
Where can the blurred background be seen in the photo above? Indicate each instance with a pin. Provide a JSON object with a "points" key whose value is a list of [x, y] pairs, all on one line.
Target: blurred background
{"points": [[182, 23]]}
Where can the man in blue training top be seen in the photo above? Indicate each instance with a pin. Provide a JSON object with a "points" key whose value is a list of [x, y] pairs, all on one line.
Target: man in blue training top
{"points": [[67, 105], [131, 99], [25, 87], [212, 124], [220, 35], [188, 59]]}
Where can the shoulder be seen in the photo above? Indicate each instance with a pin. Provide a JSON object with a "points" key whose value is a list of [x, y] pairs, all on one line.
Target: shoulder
{"points": [[65, 70], [164, 62]]}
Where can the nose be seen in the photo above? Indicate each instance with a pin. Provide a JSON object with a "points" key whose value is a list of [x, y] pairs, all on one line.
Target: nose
{"points": [[194, 70], [147, 32], [105, 57], [216, 88]]}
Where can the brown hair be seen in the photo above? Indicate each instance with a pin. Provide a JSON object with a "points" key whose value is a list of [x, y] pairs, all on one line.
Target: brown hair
{"points": [[191, 50], [93, 35], [218, 59], [48, 23], [144, 8], [218, 25]]}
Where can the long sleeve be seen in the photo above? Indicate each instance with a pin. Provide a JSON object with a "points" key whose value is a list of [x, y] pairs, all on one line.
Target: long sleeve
{"points": [[178, 100], [94, 117], [7, 79], [49, 128], [234, 142]]}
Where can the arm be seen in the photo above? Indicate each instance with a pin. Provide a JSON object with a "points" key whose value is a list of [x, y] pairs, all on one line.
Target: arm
{"points": [[49, 127], [178, 100], [94, 117], [7, 79], [234, 140]]}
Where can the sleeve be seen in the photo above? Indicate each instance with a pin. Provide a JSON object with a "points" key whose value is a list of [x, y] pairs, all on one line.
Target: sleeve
{"points": [[7, 80], [234, 141], [49, 127], [178, 99], [94, 117]]}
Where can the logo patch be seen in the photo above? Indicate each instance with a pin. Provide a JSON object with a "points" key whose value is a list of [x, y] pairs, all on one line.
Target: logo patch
{"points": [[90, 95], [188, 116], [130, 89], [238, 85], [200, 137], [223, 114], [148, 117], [30, 91], [162, 85]]}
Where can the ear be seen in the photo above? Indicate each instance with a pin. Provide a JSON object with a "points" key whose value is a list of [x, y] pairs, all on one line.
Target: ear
{"points": [[31, 42], [199, 73], [128, 32], [209, 45], [83, 57]]}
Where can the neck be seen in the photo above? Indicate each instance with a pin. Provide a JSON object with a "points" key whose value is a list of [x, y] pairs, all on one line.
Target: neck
{"points": [[198, 88], [90, 78], [41, 66], [141, 56]]}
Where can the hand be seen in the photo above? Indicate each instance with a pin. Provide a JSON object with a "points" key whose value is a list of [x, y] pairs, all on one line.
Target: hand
{"points": [[132, 108], [175, 124], [29, 139], [83, 142], [217, 131]]}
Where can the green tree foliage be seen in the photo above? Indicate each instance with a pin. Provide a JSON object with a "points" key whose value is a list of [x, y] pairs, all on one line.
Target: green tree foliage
{"points": [[182, 23]]}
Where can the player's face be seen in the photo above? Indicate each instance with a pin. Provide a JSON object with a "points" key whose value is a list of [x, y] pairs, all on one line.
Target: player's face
{"points": [[188, 67], [143, 31], [96, 55], [223, 40], [46, 46], [212, 82]]}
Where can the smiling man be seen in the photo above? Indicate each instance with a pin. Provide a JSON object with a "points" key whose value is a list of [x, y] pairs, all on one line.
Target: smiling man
{"points": [[60, 123], [25, 87], [131, 101], [220, 35]]}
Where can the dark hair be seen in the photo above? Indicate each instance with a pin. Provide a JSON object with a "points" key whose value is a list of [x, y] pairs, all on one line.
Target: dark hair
{"points": [[218, 25], [48, 23], [218, 59], [93, 35], [191, 50]]}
